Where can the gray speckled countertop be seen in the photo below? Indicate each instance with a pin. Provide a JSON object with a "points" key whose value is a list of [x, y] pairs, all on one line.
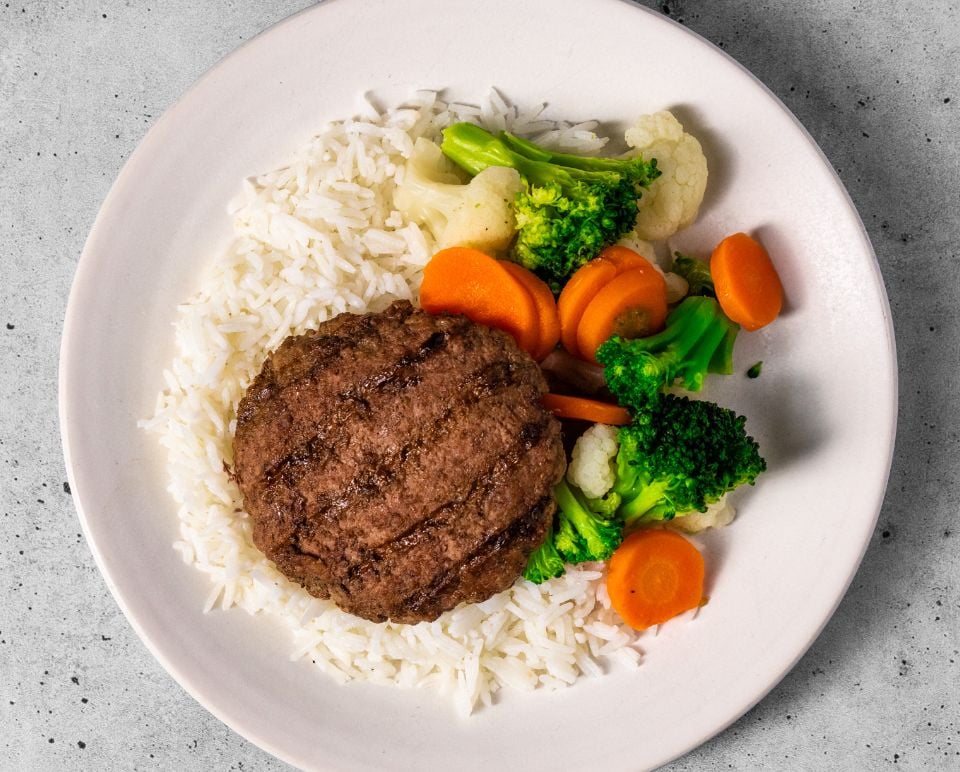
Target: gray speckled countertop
{"points": [[878, 86]]}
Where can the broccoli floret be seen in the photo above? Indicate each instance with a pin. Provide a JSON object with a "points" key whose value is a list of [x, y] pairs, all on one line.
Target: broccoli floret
{"points": [[755, 369], [545, 563], [698, 338], [685, 455], [570, 207], [579, 534], [582, 534], [605, 506], [697, 274]]}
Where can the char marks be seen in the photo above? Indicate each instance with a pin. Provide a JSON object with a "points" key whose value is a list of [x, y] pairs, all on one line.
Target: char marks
{"points": [[385, 460]]}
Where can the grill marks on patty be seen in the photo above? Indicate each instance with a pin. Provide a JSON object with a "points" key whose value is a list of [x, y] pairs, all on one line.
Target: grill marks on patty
{"points": [[472, 512], [398, 462]]}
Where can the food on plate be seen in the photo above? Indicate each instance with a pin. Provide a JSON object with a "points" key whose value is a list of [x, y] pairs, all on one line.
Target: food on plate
{"points": [[632, 304], [548, 323], [475, 214], [747, 285], [674, 198], [677, 457], [570, 206], [580, 534], [698, 339], [653, 576], [572, 373], [631, 301], [593, 469], [402, 464], [585, 409], [696, 273], [686, 455], [498, 293], [591, 466], [398, 463], [716, 515]]}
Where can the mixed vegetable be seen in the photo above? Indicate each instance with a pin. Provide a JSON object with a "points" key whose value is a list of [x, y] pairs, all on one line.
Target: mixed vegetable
{"points": [[569, 207], [551, 247]]}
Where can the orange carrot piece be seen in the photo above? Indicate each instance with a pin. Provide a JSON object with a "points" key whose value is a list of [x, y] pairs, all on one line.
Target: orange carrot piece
{"points": [[549, 322], [576, 295], [460, 280], [633, 305], [584, 409], [623, 257], [653, 576], [747, 285]]}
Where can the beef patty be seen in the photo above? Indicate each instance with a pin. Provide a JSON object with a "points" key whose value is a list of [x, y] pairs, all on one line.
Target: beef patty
{"points": [[398, 463]]}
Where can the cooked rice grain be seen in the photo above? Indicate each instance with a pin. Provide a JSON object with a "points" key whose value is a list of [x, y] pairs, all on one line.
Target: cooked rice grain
{"points": [[314, 239]]}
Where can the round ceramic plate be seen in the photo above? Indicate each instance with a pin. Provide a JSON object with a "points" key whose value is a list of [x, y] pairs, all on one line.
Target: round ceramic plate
{"points": [[823, 410]]}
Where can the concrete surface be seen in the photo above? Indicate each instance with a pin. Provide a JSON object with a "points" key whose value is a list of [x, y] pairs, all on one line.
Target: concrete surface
{"points": [[876, 83]]}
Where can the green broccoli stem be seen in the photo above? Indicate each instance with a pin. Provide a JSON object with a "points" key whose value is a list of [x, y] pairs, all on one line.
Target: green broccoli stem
{"points": [[645, 503], [693, 331], [697, 360], [565, 498], [685, 326], [698, 338], [575, 509], [525, 147], [721, 363], [606, 506], [583, 534], [474, 149], [639, 171], [626, 477]]}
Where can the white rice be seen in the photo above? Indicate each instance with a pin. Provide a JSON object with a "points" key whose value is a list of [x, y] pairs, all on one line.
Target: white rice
{"points": [[311, 240]]}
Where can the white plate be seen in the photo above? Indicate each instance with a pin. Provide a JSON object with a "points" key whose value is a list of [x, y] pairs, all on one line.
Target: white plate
{"points": [[823, 410]]}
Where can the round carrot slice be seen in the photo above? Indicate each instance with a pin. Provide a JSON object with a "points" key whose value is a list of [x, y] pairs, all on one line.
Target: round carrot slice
{"points": [[632, 305], [460, 280], [653, 576], [548, 320], [576, 295], [747, 284], [623, 257]]}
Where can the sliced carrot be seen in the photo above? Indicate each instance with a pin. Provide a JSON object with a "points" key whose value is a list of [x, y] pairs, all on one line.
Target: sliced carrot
{"points": [[632, 305], [653, 576], [747, 285], [623, 257], [549, 322], [460, 280], [584, 409], [576, 295]]}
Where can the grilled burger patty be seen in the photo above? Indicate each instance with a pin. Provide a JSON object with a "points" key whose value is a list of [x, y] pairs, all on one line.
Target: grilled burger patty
{"points": [[398, 463]]}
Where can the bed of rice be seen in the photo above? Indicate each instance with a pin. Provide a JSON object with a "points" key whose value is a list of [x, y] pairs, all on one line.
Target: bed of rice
{"points": [[311, 240]]}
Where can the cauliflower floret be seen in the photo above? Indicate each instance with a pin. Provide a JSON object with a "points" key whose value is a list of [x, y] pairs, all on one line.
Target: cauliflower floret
{"points": [[591, 466], [718, 514], [672, 201], [478, 214], [677, 287]]}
